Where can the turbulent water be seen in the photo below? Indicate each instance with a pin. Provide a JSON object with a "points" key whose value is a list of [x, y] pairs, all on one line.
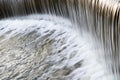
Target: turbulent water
{"points": [[61, 40], [39, 47]]}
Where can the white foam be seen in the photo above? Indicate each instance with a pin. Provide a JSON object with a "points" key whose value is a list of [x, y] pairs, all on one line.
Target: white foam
{"points": [[78, 49]]}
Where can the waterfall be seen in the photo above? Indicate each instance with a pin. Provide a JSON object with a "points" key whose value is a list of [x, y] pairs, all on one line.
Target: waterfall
{"points": [[59, 39]]}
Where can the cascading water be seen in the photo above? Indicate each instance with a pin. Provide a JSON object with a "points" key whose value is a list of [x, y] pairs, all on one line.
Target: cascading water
{"points": [[82, 44]]}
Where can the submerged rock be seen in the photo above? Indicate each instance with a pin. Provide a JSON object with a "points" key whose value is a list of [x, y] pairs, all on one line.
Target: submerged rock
{"points": [[42, 47]]}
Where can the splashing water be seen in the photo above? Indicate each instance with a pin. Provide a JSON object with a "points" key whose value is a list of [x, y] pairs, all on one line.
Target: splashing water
{"points": [[38, 47], [84, 45]]}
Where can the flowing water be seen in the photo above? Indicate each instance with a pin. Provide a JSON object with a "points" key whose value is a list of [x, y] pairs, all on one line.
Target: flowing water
{"points": [[59, 39]]}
